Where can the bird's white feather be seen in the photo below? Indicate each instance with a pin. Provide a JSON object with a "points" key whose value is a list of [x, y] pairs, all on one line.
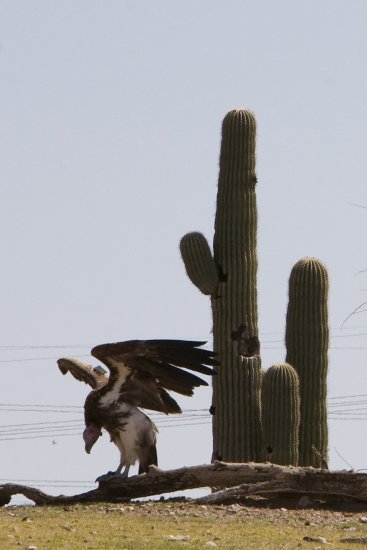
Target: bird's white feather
{"points": [[138, 427], [114, 393]]}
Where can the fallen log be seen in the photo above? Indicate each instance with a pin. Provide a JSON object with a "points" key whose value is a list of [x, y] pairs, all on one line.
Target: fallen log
{"points": [[241, 480], [288, 480]]}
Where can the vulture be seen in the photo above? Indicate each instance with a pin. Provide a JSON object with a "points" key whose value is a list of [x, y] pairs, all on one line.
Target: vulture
{"points": [[140, 373]]}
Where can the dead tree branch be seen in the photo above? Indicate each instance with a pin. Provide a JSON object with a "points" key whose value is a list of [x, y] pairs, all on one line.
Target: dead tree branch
{"points": [[241, 479]]}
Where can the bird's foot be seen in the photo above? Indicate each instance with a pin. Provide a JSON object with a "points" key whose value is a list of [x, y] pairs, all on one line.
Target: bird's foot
{"points": [[111, 475]]}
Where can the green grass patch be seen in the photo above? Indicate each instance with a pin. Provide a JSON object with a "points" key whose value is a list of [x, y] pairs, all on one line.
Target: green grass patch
{"points": [[171, 526]]}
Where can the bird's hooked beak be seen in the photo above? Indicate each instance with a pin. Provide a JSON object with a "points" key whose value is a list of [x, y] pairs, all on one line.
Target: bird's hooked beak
{"points": [[90, 436]]}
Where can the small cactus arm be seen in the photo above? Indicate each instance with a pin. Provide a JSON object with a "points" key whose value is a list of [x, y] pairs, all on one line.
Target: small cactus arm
{"points": [[199, 263]]}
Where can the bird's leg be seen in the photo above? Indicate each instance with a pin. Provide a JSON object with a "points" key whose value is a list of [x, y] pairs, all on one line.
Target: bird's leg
{"points": [[125, 473]]}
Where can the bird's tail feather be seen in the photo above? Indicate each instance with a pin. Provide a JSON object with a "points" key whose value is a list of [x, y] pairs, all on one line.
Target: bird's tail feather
{"points": [[150, 459]]}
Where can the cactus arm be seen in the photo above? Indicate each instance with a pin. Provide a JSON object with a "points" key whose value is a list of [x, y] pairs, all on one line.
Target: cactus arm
{"points": [[199, 262]]}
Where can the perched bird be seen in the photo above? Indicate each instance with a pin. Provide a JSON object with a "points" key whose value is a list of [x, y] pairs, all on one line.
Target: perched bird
{"points": [[141, 372]]}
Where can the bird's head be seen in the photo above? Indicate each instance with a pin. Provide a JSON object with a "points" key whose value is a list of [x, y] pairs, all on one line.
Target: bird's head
{"points": [[90, 436]]}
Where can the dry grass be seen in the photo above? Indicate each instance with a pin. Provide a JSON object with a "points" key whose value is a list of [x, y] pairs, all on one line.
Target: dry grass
{"points": [[150, 525]]}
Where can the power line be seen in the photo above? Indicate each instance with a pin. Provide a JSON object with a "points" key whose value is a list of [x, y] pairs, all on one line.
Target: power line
{"points": [[53, 429], [90, 345], [76, 408], [62, 434], [63, 346], [65, 433], [37, 359], [37, 436], [46, 480], [57, 426], [37, 423], [39, 405], [348, 396], [353, 418], [265, 343], [343, 407]]}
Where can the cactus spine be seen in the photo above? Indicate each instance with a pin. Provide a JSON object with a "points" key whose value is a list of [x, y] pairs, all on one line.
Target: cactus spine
{"points": [[307, 338], [281, 414], [229, 276]]}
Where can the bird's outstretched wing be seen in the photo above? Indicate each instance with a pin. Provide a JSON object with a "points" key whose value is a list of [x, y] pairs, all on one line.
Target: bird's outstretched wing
{"points": [[142, 370], [85, 373]]}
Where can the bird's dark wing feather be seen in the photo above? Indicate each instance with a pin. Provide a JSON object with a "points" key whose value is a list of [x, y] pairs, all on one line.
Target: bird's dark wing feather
{"points": [[82, 372], [144, 369], [170, 377]]}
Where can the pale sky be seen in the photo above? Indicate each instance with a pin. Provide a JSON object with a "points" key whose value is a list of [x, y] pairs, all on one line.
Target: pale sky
{"points": [[109, 143]]}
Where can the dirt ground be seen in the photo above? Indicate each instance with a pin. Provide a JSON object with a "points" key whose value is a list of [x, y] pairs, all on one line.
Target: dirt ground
{"points": [[285, 523], [273, 511]]}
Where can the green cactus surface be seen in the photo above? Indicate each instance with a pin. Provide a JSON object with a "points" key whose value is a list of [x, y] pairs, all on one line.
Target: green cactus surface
{"points": [[237, 431], [281, 414], [307, 339], [198, 259]]}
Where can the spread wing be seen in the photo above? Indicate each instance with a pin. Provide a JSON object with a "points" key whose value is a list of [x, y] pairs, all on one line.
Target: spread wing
{"points": [[85, 373], [142, 370]]}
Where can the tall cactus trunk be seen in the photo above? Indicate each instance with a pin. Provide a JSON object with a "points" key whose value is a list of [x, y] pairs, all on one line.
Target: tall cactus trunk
{"points": [[230, 278], [307, 338], [236, 423]]}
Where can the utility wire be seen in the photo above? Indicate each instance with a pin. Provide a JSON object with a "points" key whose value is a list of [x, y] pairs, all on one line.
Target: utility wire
{"points": [[343, 407], [77, 408], [266, 344], [88, 346]]}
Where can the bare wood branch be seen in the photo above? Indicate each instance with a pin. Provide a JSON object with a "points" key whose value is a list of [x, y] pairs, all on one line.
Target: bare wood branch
{"points": [[298, 481], [40, 498], [242, 479]]}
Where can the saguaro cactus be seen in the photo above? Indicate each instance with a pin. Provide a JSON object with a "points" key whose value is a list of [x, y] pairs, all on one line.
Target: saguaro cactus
{"points": [[281, 414], [229, 276], [307, 338]]}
